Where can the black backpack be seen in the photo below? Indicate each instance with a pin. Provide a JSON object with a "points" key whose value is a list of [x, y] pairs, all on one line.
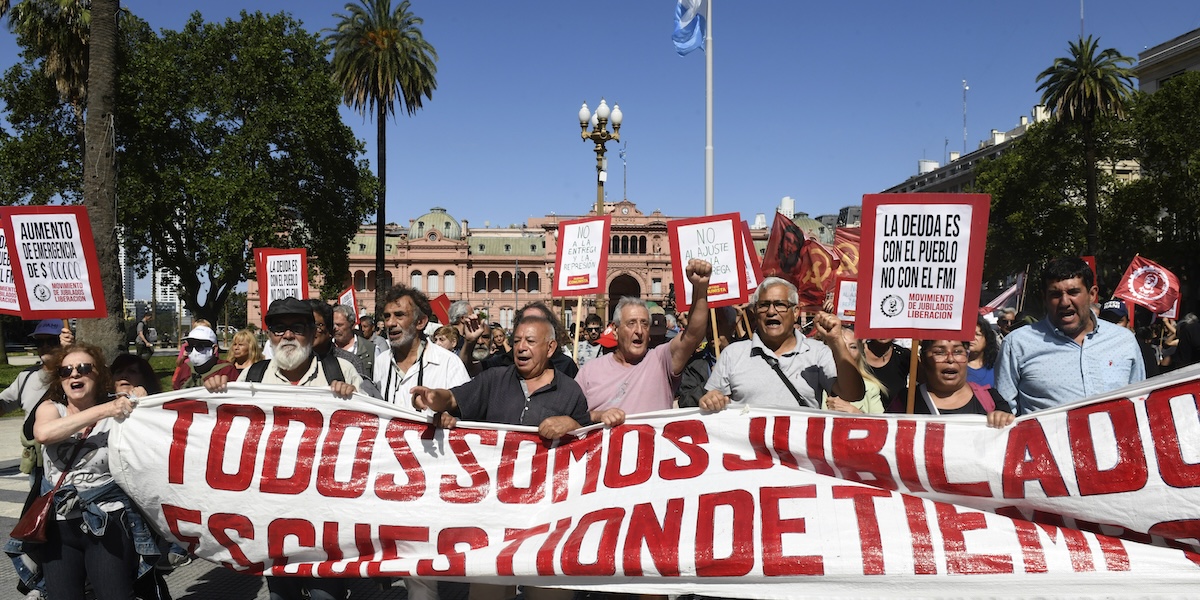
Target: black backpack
{"points": [[329, 363]]}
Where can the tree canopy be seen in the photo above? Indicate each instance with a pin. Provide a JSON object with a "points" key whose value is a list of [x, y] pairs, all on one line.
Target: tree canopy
{"points": [[228, 138]]}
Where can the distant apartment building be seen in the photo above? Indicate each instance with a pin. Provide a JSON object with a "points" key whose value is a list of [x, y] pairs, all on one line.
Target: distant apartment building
{"points": [[1158, 64]]}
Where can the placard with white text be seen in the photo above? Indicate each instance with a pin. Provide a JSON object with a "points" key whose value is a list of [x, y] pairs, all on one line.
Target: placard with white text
{"points": [[922, 258], [718, 240], [581, 262], [53, 260]]}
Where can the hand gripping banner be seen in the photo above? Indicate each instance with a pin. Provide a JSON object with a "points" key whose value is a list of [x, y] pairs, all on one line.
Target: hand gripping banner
{"points": [[1097, 498]]}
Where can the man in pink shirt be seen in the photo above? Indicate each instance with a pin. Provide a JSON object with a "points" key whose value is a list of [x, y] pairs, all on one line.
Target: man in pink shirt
{"points": [[635, 379]]}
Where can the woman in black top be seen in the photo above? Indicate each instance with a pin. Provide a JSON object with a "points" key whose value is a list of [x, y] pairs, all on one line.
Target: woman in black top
{"points": [[946, 391]]}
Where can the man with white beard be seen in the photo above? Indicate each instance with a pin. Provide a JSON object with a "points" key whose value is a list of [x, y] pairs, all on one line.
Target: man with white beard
{"points": [[291, 326], [413, 360]]}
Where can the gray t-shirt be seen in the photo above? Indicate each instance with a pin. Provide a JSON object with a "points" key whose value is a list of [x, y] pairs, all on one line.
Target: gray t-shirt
{"points": [[90, 470], [743, 375]]}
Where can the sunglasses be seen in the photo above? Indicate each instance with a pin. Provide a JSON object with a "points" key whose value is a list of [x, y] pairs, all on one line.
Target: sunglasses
{"points": [[296, 328], [591, 329], [83, 369]]}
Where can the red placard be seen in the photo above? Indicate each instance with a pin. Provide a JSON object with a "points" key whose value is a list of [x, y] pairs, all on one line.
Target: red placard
{"points": [[585, 268], [441, 308], [754, 274], [726, 286], [920, 265], [44, 243]]}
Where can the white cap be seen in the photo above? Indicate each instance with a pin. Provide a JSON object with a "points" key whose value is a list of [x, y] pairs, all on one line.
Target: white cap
{"points": [[201, 332]]}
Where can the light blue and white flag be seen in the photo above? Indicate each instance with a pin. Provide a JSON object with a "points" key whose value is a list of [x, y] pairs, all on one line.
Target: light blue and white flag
{"points": [[689, 26]]}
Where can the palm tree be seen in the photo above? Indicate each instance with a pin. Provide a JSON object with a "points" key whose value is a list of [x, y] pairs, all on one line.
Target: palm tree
{"points": [[380, 57], [1081, 88]]}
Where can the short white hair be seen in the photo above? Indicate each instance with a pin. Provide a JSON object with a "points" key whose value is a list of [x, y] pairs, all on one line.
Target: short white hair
{"points": [[793, 295], [628, 301]]}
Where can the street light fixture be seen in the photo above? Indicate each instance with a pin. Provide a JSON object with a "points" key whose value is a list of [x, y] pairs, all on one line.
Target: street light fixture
{"points": [[600, 135]]}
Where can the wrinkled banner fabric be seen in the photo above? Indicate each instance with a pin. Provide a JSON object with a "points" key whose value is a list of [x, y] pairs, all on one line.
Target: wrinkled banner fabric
{"points": [[1097, 498]]}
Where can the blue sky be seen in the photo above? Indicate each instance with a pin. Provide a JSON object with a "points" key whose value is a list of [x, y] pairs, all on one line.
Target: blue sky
{"points": [[822, 102]]}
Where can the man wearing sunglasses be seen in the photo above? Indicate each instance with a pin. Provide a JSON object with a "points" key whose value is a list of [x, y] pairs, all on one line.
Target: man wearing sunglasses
{"points": [[291, 326], [589, 346], [779, 367]]}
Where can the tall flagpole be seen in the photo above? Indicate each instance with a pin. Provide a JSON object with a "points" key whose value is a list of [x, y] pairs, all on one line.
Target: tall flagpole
{"points": [[708, 111]]}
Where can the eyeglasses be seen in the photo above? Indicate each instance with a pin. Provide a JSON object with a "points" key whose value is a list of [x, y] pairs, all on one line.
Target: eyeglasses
{"points": [[1009, 321], [296, 328], [83, 369], [779, 305], [956, 355]]}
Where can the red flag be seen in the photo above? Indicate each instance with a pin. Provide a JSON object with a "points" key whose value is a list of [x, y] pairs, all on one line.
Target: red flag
{"points": [[782, 257], [845, 243], [818, 275], [1149, 284], [441, 308]]}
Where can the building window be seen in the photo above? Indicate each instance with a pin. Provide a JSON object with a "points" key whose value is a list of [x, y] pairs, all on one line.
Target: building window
{"points": [[480, 282], [533, 247], [493, 281], [615, 246], [533, 281], [508, 247], [432, 236], [448, 282], [656, 286], [432, 282], [360, 281], [481, 247], [420, 227], [446, 228], [642, 245], [506, 282], [416, 281]]}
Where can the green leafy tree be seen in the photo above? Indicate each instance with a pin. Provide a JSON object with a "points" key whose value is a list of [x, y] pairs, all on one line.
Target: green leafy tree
{"points": [[41, 156], [1035, 211], [1081, 89], [380, 57], [234, 141], [1161, 212]]}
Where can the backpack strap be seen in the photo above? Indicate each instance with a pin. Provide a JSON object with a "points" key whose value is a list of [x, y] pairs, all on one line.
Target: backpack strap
{"points": [[333, 370], [984, 395], [255, 372]]}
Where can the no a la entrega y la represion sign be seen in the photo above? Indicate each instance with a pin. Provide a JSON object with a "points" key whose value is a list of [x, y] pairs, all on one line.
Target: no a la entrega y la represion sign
{"points": [[922, 258], [581, 259], [718, 240], [53, 259]]}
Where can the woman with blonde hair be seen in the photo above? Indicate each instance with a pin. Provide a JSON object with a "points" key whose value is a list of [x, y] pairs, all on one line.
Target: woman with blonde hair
{"points": [[244, 351], [872, 400]]}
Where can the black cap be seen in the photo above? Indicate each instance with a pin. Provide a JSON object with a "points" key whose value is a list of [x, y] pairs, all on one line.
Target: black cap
{"points": [[288, 307]]}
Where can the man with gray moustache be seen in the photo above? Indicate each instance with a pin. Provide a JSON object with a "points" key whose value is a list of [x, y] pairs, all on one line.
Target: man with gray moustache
{"points": [[413, 360]]}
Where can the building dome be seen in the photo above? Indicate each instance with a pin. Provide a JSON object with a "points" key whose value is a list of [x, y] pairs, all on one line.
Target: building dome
{"points": [[437, 219], [813, 229]]}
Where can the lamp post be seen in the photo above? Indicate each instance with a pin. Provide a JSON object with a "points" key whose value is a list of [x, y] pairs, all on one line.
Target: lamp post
{"points": [[600, 135]]}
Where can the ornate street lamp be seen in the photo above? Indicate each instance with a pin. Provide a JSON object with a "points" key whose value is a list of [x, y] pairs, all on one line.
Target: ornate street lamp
{"points": [[600, 135]]}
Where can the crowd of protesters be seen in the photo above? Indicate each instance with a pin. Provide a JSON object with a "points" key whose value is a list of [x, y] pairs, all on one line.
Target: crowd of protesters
{"points": [[770, 352]]}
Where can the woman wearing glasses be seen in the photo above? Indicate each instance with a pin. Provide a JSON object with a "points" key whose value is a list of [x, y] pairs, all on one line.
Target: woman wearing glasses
{"points": [[945, 390], [96, 534]]}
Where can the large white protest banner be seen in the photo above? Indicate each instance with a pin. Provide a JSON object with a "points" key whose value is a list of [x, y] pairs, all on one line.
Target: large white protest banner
{"points": [[921, 260], [581, 262], [53, 260], [1096, 498], [718, 240]]}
